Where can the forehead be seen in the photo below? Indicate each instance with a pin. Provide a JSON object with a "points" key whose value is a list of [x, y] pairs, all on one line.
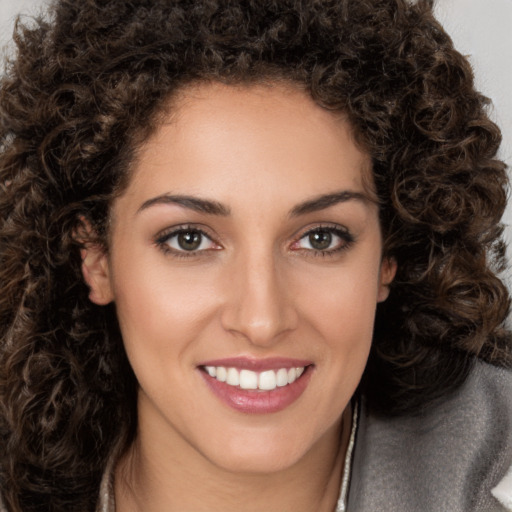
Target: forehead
{"points": [[217, 138]]}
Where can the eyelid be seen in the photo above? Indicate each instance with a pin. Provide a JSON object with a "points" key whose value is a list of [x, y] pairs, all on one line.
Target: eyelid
{"points": [[162, 238], [340, 231]]}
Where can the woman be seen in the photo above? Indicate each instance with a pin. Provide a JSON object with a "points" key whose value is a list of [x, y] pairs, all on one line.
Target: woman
{"points": [[249, 262]]}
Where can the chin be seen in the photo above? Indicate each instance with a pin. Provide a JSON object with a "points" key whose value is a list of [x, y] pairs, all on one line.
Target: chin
{"points": [[263, 454], [257, 462]]}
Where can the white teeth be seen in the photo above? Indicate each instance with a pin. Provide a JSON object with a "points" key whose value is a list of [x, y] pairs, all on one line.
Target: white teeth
{"points": [[268, 380], [221, 373], [233, 378], [247, 379], [282, 377], [212, 371]]}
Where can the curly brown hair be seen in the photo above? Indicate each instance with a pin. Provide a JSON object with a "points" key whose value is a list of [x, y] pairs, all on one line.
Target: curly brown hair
{"points": [[85, 89]]}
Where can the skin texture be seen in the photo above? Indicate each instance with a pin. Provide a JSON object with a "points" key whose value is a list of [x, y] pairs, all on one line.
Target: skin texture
{"points": [[255, 288]]}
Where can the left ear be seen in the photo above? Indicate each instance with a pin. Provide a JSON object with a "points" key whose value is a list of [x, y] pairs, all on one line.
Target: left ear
{"points": [[386, 275], [96, 274], [95, 265]]}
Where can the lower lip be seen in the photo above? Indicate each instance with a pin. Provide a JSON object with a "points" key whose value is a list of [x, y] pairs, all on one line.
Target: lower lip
{"points": [[252, 401]]}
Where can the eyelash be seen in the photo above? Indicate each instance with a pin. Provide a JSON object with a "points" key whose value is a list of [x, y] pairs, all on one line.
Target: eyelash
{"points": [[346, 238], [162, 241]]}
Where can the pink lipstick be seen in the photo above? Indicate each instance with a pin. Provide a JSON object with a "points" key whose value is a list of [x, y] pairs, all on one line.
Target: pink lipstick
{"points": [[257, 385]]}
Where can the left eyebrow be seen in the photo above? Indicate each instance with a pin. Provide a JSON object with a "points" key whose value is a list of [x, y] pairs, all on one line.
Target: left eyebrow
{"points": [[326, 200], [192, 203]]}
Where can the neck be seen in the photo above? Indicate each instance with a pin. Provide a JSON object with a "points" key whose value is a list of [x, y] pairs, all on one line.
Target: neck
{"points": [[151, 478]]}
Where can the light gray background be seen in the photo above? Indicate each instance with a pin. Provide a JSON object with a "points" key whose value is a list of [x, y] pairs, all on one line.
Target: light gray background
{"points": [[481, 29]]}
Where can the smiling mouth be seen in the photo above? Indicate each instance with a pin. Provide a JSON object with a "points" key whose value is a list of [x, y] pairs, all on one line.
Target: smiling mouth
{"points": [[257, 386], [267, 380]]}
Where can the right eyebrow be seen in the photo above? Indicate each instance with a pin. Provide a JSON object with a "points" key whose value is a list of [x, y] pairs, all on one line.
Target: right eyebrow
{"points": [[192, 203], [326, 200]]}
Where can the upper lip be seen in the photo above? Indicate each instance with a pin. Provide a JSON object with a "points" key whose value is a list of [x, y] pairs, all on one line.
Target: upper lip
{"points": [[251, 363]]}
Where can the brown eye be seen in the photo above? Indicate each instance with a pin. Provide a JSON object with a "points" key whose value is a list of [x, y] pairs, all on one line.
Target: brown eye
{"points": [[324, 240], [320, 240], [186, 240], [189, 240]]}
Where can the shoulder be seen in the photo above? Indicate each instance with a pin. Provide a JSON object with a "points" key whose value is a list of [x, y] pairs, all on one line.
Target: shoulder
{"points": [[448, 457]]}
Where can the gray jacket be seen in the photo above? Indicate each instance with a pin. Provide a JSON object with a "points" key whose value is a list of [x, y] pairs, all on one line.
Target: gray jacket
{"points": [[445, 460]]}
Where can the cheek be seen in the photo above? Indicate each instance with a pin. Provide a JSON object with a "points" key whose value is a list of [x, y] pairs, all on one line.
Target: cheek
{"points": [[341, 301], [159, 306], [341, 313], [340, 318], [162, 316]]}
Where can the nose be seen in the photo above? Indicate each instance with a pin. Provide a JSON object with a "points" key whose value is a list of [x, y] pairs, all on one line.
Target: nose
{"points": [[259, 305]]}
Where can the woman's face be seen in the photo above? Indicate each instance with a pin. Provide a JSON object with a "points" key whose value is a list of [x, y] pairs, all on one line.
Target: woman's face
{"points": [[247, 246]]}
